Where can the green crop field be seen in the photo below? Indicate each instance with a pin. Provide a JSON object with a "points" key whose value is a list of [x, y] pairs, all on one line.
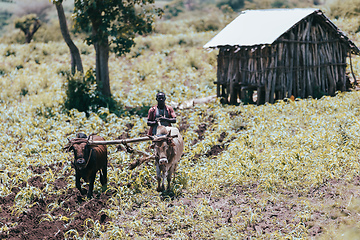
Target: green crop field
{"points": [[288, 170]]}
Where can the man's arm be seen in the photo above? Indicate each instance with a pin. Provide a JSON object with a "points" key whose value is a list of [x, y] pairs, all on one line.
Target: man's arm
{"points": [[170, 120], [151, 117], [151, 123]]}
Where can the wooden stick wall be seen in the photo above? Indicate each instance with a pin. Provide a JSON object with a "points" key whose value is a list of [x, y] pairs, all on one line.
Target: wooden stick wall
{"points": [[309, 60]]}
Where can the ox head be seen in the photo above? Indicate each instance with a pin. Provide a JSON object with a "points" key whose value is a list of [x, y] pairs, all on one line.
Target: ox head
{"points": [[163, 148], [81, 150]]}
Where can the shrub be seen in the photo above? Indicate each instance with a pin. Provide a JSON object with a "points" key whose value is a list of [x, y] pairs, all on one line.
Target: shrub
{"points": [[9, 51], [82, 94], [234, 4], [279, 4], [209, 24], [173, 9], [2, 71], [214, 20]]}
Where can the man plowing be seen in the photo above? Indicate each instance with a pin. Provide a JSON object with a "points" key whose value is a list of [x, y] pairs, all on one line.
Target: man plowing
{"points": [[160, 113]]}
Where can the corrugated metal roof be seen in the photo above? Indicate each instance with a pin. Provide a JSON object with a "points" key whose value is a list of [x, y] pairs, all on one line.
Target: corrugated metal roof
{"points": [[255, 27], [259, 27]]}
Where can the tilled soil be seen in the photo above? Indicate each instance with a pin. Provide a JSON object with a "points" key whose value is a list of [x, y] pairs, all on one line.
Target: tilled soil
{"points": [[36, 222], [331, 202]]}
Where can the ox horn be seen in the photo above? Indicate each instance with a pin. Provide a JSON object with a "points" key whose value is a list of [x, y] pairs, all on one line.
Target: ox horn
{"points": [[67, 146], [169, 133]]}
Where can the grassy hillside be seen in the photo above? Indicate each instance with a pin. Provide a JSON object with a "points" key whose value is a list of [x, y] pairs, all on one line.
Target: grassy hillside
{"points": [[276, 171]]}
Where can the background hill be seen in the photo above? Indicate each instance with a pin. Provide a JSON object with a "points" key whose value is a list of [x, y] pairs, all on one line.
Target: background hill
{"points": [[283, 170]]}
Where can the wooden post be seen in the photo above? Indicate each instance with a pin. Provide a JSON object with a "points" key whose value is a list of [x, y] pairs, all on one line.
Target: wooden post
{"points": [[351, 67], [218, 74]]}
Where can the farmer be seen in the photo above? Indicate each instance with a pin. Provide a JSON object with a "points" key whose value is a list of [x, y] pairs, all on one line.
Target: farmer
{"points": [[161, 113]]}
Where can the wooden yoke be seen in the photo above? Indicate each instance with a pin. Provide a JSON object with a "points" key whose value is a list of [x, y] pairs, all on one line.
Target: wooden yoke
{"points": [[132, 140], [120, 141]]}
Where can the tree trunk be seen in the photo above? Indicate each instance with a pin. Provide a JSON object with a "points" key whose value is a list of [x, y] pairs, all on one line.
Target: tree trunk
{"points": [[102, 63], [76, 63]]}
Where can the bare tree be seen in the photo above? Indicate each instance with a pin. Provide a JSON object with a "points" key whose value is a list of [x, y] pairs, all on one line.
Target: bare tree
{"points": [[29, 24]]}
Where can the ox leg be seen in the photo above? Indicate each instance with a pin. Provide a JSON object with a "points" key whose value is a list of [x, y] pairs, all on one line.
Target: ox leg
{"points": [[160, 187], [78, 184], [171, 175], [165, 175], [91, 185], [160, 179], [168, 177], [103, 176]]}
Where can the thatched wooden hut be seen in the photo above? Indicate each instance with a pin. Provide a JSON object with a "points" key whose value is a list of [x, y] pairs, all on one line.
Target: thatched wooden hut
{"points": [[281, 53]]}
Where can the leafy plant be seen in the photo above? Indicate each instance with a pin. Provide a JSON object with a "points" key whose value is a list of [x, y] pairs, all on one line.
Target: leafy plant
{"points": [[83, 95]]}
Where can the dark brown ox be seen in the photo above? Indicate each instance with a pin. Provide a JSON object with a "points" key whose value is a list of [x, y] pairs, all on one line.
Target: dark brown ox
{"points": [[88, 160], [167, 155]]}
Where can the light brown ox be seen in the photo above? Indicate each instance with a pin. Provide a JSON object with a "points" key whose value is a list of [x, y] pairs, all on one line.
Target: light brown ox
{"points": [[167, 155]]}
